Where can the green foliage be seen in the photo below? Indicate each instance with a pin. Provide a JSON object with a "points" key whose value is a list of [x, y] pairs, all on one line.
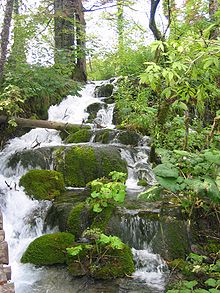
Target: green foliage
{"points": [[11, 102], [197, 265], [107, 193], [42, 184], [39, 86], [185, 172], [48, 249], [105, 257]]}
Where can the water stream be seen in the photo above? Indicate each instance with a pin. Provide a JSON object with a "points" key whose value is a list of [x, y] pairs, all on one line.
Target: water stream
{"points": [[24, 217]]}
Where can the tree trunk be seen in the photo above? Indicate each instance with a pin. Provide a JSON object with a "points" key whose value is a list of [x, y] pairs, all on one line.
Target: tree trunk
{"points": [[213, 8], [29, 123], [152, 24], [70, 36], [5, 35]]}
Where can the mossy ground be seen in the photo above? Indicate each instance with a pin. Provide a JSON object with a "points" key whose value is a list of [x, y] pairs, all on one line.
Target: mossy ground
{"points": [[42, 184], [48, 249]]}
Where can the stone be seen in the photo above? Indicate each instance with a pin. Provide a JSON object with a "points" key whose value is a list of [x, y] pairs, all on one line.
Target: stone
{"points": [[4, 252], [2, 235]]}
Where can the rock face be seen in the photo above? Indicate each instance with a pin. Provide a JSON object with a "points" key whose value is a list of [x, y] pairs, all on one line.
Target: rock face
{"points": [[81, 164], [42, 184], [164, 231], [5, 271]]}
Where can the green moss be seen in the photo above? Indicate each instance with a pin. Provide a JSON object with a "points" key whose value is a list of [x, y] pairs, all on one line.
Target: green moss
{"points": [[82, 164], [48, 249], [142, 182], [103, 136], [102, 219], [82, 135], [42, 184], [105, 90], [79, 219]]}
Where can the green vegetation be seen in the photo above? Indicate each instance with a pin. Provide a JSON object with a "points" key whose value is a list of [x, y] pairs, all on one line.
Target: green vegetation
{"points": [[42, 184], [82, 135], [106, 257], [107, 192], [48, 249]]}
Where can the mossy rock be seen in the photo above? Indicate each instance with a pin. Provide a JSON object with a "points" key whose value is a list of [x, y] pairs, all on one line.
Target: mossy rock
{"points": [[104, 136], [171, 241], [82, 135], [82, 164], [93, 110], [58, 213], [105, 90], [118, 264], [80, 217], [48, 249], [128, 137], [101, 220], [35, 158], [42, 184], [104, 263]]}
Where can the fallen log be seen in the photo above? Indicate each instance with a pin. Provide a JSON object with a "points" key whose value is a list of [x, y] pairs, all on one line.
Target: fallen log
{"points": [[31, 123]]}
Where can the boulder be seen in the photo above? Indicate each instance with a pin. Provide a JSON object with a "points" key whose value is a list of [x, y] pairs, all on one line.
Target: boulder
{"points": [[48, 249], [42, 184], [104, 90], [35, 158], [82, 164], [82, 135], [93, 110]]}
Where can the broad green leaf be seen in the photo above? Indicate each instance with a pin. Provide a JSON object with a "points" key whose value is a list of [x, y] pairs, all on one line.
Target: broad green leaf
{"points": [[168, 183], [212, 156], [213, 290], [190, 284], [211, 282], [166, 170], [73, 251]]}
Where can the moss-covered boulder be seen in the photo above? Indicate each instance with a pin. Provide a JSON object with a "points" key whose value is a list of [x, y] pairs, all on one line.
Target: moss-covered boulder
{"points": [[42, 184], [82, 164], [101, 261], [58, 213], [104, 90], [104, 136], [48, 249], [128, 137], [82, 135], [80, 218], [93, 110]]}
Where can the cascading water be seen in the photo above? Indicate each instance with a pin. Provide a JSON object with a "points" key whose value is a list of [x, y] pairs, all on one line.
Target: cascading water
{"points": [[24, 217]]}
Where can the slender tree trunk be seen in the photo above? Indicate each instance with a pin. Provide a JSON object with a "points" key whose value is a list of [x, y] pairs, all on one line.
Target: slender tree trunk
{"points": [[5, 35], [120, 24], [152, 24]]}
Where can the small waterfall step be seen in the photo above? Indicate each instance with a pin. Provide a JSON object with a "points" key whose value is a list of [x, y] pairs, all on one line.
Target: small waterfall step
{"points": [[5, 271]]}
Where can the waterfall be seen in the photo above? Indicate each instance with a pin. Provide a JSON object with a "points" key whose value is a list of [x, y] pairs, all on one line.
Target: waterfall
{"points": [[24, 217]]}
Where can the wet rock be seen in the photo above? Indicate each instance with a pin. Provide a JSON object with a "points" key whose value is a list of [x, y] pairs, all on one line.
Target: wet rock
{"points": [[4, 252], [165, 233], [83, 135], [93, 110], [104, 90], [35, 158]]}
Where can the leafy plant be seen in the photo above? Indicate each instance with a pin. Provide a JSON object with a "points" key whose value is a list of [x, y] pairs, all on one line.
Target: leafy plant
{"points": [[107, 192]]}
